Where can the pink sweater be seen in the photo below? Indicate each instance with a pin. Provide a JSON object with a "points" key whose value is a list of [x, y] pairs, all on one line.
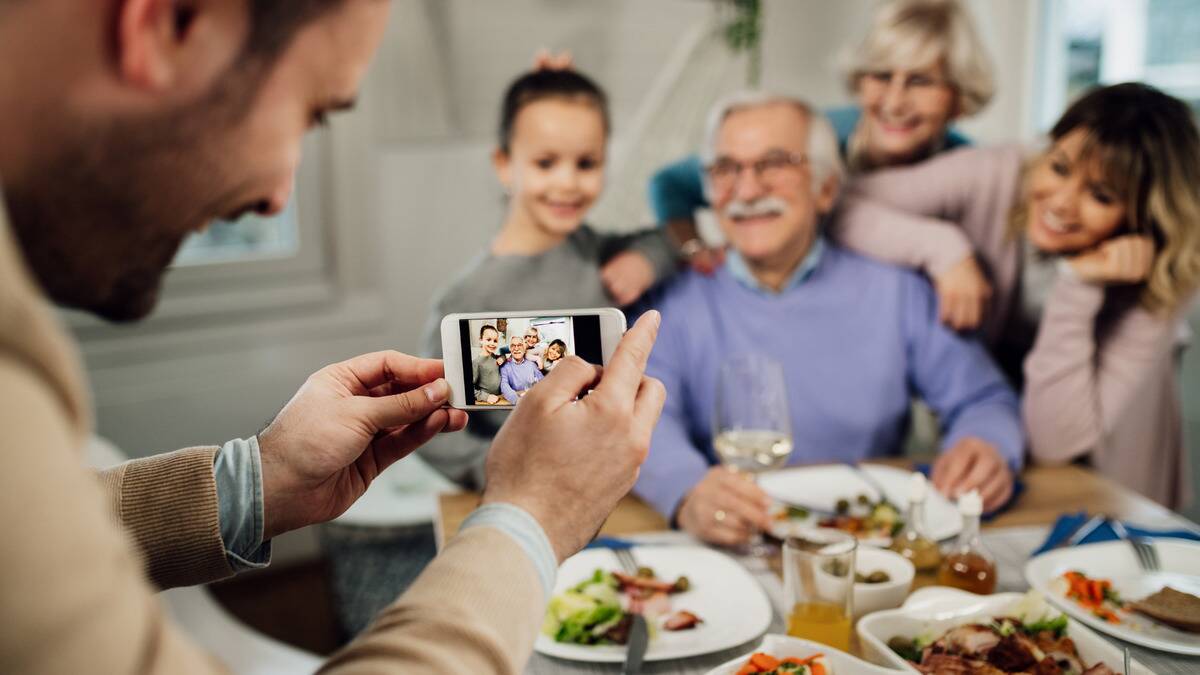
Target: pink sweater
{"points": [[1099, 376]]}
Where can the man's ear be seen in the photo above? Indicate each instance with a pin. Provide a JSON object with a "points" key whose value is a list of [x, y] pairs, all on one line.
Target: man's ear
{"points": [[827, 194], [502, 163], [165, 44]]}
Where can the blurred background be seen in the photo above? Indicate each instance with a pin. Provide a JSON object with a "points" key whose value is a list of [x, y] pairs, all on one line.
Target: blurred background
{"points": [[395, 197]]}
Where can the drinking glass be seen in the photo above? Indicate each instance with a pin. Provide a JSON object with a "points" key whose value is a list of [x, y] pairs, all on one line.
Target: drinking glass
{"points": [[818, 580], [752, 429]]}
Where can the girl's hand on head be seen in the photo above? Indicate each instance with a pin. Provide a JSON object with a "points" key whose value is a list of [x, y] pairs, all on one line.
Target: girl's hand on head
{"points": [[963, 294], [627, 276], [544, 59], [1121, 260]]}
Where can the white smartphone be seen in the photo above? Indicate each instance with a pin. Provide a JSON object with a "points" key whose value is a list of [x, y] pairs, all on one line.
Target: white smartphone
{"points": [[493, 358]]}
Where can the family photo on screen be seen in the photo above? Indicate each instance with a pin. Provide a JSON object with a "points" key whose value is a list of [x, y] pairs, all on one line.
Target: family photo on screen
{"points": [[515, 354]]}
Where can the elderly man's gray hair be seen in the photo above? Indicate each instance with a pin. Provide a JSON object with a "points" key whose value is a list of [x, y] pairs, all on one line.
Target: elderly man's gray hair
{"points": [[823, 154]]}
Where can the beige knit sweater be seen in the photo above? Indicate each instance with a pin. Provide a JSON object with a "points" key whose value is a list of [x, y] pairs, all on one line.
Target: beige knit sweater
{"points": [[83, 558]]}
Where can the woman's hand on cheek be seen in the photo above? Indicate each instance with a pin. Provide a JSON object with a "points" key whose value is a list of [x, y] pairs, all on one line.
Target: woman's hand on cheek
{"points": [[1121, 260]]}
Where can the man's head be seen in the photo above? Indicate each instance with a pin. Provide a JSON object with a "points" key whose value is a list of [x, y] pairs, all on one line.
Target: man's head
{"points": [[516, 345], [155, 117], [773, 171]]}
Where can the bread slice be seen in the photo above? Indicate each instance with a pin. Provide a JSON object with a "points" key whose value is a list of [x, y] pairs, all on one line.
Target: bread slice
{"points": [[1174, 608]]}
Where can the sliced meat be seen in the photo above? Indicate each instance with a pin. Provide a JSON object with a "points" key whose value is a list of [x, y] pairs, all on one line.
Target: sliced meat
{"points": [[972, 640], [949, 664], [1012, 655], [630, 581], [1061, 650], [681, 620], [1049, 666], [619, 633]]}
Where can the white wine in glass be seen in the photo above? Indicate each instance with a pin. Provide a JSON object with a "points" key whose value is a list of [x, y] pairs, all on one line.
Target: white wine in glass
{"points": [[753, 450], [752, 427]]}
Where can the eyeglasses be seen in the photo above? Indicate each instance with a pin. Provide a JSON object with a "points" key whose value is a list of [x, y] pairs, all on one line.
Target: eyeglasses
{"points": [[916, 82], [773, 168]]}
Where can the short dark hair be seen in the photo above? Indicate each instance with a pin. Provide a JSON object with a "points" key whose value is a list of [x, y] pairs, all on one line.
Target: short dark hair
{"points": [[486, 327], [274, 23], [544, 84]]}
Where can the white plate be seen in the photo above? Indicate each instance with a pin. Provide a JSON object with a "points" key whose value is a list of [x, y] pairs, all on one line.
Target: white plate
{"points": [[783, 646], [937, 609], [732, 605], [821, 487], [1115, 560]]}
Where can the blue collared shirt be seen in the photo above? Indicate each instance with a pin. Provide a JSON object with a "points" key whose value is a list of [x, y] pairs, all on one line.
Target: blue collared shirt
{"points": [[741, 271]]}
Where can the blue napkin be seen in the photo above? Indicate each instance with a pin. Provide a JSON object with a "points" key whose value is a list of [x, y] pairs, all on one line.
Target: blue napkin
{"points": [[1018, 490], [1068, 523], [610, 543]]}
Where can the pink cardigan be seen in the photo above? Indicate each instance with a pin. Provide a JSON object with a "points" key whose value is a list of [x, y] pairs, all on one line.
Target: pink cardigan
{"points": [[1099, 380]]}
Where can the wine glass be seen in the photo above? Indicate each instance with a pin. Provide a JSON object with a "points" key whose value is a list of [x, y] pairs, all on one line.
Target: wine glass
{"points": [[752, 428]]}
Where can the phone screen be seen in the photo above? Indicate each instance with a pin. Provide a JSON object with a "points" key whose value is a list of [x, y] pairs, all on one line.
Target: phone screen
{"points": [[504, 357]]}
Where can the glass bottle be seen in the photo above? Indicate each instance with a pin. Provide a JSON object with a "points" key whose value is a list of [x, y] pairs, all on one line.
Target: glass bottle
{"points": [[912, 542], [968, 565]]}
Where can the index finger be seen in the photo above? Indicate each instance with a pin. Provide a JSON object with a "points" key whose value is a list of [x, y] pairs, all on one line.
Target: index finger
{"points": [[391, 367], [623, 374]]}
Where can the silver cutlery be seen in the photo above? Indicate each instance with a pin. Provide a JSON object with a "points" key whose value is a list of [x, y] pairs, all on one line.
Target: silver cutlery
{"points": [[639, 634], [1126, 660], [1144, 550], [1080, 533]]}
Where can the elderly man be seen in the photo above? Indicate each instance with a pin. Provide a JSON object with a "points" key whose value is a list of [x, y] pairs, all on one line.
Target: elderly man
{"points": [[519, 373], [127, 125], [856, 338]]}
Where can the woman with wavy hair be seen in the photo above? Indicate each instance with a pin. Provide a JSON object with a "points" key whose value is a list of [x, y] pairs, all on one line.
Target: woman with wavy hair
{"points": [[1084, 258]]}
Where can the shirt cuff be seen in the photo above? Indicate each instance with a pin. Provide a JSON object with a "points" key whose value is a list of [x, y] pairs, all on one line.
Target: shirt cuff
{"points": [[525, 530], [238, 473]]}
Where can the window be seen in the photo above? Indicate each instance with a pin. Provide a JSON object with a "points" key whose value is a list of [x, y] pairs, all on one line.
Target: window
{"points": [[251, 237], [1097, 42]]}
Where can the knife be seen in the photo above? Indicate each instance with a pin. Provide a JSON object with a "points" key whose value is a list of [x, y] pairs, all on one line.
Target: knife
{"points": [[639, 637]]}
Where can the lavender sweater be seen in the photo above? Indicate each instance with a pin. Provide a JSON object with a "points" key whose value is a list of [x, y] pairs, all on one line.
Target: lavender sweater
{"points": [[857, 339]]}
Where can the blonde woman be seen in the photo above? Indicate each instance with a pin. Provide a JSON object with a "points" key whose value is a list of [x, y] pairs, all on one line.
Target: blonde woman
{"points": [[920, 67], [1092, 250]]}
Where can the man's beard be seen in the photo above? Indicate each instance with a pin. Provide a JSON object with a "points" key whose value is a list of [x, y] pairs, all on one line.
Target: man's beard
{"points": [[101, 220]]}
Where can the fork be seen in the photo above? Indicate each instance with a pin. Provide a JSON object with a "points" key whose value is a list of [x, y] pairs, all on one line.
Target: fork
{"points": [[639, 635], [1146, 554]]}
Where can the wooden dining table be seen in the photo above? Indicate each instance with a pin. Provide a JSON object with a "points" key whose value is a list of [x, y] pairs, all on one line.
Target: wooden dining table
{"points": [[1011, 536]]}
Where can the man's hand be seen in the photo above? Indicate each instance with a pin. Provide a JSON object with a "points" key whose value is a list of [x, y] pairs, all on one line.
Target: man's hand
{"points": [[974, 464], [1121, 260], [725, 508], [567, 462], [963, 294], [348, 423], [627, 276]]}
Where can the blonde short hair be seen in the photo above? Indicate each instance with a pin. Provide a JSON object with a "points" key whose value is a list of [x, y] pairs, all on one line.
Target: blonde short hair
{"points": [[822, 147], [909, 34]]}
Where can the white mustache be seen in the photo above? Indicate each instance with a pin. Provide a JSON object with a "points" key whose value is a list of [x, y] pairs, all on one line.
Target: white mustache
{"points": [[767, 206]]}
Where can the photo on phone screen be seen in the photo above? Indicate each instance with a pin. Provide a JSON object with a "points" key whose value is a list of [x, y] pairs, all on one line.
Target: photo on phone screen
{"points": [[505, 357]]}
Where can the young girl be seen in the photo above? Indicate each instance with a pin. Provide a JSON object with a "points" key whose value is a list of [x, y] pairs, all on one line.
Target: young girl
{"points": [[554, 352], [550, 159], [485, 368], [1093, 250]]}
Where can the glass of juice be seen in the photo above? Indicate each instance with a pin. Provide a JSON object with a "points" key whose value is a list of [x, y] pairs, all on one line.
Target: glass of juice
{"points": [[818, 579]]}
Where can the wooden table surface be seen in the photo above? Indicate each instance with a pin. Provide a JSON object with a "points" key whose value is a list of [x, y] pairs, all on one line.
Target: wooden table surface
{"points": [[1049, 493]]}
